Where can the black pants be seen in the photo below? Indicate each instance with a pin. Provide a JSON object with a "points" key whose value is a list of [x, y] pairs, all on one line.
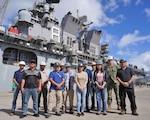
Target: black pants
{"points": [[92, 97], [131, 96], [44, 92]]}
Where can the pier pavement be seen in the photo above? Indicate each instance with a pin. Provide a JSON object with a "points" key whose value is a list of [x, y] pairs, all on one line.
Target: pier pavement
{"points": [[142, 100]]}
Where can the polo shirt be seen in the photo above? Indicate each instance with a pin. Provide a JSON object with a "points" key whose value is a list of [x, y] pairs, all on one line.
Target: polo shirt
{"points": [[31, 78], [18, 76], [57, 77], [125, 75]]}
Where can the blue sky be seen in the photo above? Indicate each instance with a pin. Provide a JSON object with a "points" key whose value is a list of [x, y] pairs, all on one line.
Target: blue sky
{"points": [[125, 24]]}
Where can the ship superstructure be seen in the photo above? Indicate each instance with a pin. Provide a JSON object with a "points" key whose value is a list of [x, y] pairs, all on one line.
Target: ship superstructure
{"points": [[36, 34]]}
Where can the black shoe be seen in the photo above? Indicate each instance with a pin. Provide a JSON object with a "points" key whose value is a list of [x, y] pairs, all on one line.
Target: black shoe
{"points": [[87, 110], [78, 114], [47, 115], [58, 113], [23, 116], [36, 115], [82, 113]]}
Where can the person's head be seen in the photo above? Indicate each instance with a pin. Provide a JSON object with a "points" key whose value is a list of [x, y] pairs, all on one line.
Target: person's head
{"points": [[42, 65], [68, 66], [56, 66], [99, 64], [123, 63], [80, 67], [110, 60], [62, 66], [93, 65], [32, 64], [22, 64], [85, 63]]}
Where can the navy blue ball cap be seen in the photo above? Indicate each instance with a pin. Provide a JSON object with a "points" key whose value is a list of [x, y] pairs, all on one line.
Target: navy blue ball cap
{"points": [[122, 60], [32, 61], [56, 64], [80, 65]]}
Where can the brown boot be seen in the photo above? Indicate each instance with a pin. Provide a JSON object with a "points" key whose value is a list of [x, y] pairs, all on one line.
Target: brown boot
{"points": [[118, 107], [122, 112], [134, 112], [109, 107]]}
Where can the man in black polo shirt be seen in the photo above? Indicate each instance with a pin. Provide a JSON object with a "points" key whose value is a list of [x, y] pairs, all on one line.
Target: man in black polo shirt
{"points": [[30, 86], [125, 76]]}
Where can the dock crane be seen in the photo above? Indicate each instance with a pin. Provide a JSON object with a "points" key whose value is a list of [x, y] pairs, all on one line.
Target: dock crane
{"points": [[3, 7]]}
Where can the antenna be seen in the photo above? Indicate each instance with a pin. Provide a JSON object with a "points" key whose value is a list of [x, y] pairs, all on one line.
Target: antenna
{"points": [[3, 7], [77, 13]]}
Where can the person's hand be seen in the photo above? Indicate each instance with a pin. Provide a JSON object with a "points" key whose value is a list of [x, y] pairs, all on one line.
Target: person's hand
{"points": [[125, 84], [39, 89], [100, 87], [81, 89], [22, 90], [58, 86]]}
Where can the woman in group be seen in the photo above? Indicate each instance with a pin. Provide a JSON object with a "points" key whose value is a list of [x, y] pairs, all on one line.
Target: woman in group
{"points": [[81, 79], [101, 90]]}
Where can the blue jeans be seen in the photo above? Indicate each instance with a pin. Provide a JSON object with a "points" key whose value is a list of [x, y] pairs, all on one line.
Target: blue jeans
{"points": [[34, 93], [15, 96], [81, 99], [101, 95]]}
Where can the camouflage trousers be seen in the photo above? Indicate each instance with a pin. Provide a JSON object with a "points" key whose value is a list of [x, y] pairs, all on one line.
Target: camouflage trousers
{"points": [[110, 87]]}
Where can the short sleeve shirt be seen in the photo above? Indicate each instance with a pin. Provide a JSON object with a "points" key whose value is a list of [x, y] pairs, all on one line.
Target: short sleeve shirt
{"points": [[31, 78], [18, 75], [125, 75], [57, 77]]}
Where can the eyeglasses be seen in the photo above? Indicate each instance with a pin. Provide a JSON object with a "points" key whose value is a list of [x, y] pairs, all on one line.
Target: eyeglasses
{"points": [[93, 65]]}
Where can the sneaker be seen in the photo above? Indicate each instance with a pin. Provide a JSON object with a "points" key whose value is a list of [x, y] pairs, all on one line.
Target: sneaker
{"points": [[58, 113], [82, 113], [23, 116], [98, 113], [105, 113], [36, 115], [78, 114], [12, 113]]}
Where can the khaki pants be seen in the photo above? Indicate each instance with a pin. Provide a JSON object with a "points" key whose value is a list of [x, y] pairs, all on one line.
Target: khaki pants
{"points": [[55, 97], [66, 94]]}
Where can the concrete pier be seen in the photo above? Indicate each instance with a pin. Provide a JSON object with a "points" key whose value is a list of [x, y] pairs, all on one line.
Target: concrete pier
{"points": [[142, 100]]}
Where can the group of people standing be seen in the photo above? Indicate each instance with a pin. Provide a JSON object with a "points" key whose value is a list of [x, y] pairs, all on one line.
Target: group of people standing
{"points": [[97, 82]]}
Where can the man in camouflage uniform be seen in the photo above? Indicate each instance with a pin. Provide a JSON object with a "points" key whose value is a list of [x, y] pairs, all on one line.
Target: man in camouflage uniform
{"points": [[112, 83]]}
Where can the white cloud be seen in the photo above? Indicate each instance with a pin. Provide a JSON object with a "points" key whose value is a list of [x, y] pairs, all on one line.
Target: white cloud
{"points": [[108, 38], [92, 8], [147, 11], [132, 38], [112, 5], [141, 60], [126, 2], [138, 2]]}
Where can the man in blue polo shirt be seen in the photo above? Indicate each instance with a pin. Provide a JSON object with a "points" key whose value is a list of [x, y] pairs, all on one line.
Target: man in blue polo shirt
{"points": [[57, 80], [17, 81]]}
